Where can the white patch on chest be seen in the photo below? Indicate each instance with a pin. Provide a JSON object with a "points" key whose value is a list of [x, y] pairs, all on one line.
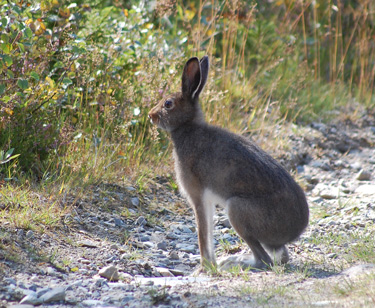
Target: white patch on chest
{"points": [[212, 199]]}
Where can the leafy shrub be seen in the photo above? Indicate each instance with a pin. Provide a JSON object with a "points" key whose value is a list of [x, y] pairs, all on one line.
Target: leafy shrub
{"points": [[75, 72]]}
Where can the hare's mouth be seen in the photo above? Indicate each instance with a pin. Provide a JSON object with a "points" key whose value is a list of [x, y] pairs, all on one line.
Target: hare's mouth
{"points": [[156, 121]]}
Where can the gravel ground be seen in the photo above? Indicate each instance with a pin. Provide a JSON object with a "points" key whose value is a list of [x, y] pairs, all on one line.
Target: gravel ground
{"points": [[120, 248]]}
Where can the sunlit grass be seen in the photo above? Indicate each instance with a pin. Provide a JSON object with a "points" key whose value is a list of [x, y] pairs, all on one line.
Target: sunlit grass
{"points": [[27, 208]]}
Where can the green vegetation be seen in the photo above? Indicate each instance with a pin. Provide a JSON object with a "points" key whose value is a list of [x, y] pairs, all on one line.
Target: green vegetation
{"points": [[77, 79]]}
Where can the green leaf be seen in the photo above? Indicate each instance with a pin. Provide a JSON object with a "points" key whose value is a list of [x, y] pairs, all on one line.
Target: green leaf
{"points": [[6, 47], [67, 81], [5, 38], [58, 64], [10, 74], [4, 22], [23, 84], [28, 33], [6, 99], [8, 60], [9, 152], [35, 76], [21, 47], [2, 89], [9, 159]]}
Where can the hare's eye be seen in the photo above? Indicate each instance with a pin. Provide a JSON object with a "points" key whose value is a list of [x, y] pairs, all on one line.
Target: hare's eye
{"points": [[168, 104]]}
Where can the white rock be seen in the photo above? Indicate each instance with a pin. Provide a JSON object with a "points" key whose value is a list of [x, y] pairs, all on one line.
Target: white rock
{"points": [[109, 272], [55, 295], [31, 299], [92, 303], [359, 269], [363, 175], [367, 189], [164, 272]]}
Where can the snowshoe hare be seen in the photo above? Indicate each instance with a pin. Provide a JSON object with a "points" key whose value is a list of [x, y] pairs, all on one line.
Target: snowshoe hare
{"points": [[265, 206]]}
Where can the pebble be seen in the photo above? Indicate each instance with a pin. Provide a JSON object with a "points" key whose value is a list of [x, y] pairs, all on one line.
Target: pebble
{"points": [[359, 269], [321, 164], [109, 272], [31, 299], [141, 221], [343, 193], [363, 175], [87, 243], [54, 295], [30, 234], [367, 190], [162, 245], [164, 272], [135, 201], [92, 303], [174, 255]]}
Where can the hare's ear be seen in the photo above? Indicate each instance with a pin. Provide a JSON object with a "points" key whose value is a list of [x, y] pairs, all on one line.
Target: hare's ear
{"points": [[191, 78], [204, 65]]}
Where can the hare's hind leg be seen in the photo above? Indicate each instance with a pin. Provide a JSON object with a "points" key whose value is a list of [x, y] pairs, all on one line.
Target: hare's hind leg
{"points": [[279, 254], [244, 220]]}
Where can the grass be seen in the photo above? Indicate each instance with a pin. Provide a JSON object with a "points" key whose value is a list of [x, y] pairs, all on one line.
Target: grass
{"points": [[355, 246], [274, 69], [25, 208]]}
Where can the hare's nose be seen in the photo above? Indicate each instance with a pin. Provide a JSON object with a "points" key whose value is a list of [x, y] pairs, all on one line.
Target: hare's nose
{"points": [[152, 116]]}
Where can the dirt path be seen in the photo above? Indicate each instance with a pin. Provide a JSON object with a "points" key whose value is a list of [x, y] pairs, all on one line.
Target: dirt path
{"points": [[147, 242]]}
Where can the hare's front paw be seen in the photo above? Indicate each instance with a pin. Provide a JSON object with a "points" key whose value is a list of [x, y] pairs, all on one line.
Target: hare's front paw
{"points": [[246, 262], [206, 269], [200, 271]]}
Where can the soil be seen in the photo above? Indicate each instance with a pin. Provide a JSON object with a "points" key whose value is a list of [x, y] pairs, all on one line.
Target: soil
{"points": [[147, 240]]}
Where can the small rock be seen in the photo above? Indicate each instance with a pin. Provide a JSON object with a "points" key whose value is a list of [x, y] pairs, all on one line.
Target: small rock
{"points": [[174, 256], [321, 164], [226, 223], [300, 169], [141, 221], [363, 175], [113, 247], [126, 276], [10, 281], [149, 244], [368, 190], [88, 244], [359, 269], [164, 272], [171, 236], [42, 291], [54, 295], [92, 303], [119, 223], [144, 238], [329, 194], [29, 234], [356, 166], [186, 248], [185, 229], [135, 201], [177, 272], [162, 245], [51, 271], [31, 299], [109, 272]]}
